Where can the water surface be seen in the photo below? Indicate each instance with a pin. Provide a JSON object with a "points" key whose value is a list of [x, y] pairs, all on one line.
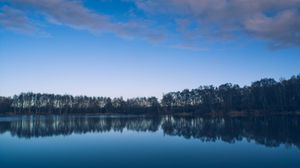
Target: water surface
{"points": [[135, 141]]}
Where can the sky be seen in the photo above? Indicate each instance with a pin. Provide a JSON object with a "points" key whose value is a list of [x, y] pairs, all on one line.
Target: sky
{"points": [[134, 48]]}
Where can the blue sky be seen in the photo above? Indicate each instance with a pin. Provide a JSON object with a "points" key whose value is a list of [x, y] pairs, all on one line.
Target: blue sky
{"points": [[135, 48]]}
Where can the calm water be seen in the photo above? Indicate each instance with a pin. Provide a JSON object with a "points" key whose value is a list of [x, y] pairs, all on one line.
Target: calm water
{"points": [[114, 141]]}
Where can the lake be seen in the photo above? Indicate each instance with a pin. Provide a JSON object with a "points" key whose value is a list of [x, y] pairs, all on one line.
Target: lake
{"points": [[143, 141]]}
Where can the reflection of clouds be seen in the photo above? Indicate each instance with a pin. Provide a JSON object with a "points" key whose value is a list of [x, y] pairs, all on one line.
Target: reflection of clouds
{"points": [[271, 131]]}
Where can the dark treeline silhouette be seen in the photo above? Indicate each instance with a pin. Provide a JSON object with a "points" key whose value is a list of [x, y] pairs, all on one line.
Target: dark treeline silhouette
{"points": [[269, 131], [266, 96]]}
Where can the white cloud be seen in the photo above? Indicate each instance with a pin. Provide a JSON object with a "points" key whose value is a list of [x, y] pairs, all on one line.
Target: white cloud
{"points": [[276, 21], [16, 20], [74, 14]]}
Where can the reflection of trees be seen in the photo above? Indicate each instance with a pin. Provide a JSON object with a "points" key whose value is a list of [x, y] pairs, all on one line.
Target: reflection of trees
{"points": [[39, 126], [270, 131]]}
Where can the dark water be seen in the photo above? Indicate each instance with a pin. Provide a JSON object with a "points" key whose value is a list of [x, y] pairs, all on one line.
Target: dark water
{"points": [[114, 141]]}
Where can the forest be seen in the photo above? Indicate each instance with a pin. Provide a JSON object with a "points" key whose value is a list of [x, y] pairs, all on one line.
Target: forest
{"points": [[266, 96]]}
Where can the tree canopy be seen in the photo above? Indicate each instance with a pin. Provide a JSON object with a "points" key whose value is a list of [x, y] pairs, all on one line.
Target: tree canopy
{"points": [[264, 96]]}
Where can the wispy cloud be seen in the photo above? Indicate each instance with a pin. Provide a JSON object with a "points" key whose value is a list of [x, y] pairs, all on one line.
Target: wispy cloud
{"points": [[188, 47], [15, 20], [276, 21], [74, 14]]}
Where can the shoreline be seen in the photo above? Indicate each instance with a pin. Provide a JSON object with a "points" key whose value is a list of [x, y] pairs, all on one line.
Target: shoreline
{"points": [[182, 114]]}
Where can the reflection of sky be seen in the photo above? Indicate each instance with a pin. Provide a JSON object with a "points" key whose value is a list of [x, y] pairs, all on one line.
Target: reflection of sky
{"points": [[138, 149], [80, 62]]}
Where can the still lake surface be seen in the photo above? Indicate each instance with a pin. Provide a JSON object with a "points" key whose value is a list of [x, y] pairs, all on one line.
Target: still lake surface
{"points": [[140, 141]]}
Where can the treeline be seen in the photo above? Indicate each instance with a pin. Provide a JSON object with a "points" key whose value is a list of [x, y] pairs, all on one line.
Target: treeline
{"points": [[31, 103], [265, 96]]}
